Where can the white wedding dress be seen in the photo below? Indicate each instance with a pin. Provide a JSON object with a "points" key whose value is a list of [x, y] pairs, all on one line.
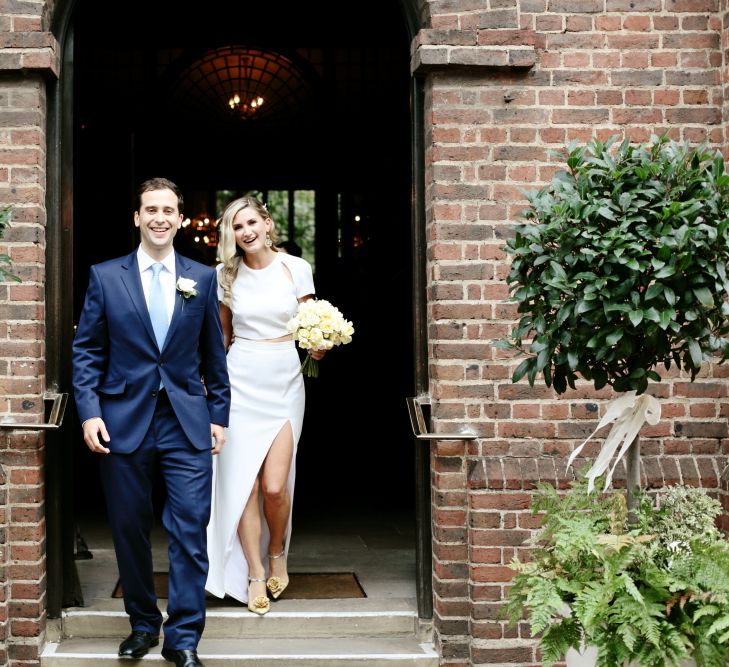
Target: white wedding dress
{"points": [[267, 390]]}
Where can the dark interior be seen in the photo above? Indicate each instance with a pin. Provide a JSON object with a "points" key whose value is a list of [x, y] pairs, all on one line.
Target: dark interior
{"points": [[339, 125]]}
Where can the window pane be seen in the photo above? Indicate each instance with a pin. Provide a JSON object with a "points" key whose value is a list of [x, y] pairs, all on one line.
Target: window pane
{"points": [[277, 204], [305, 223]]}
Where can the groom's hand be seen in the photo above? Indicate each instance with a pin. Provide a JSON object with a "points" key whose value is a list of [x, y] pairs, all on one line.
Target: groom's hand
{"points": [[93, 428], [218, 435]]}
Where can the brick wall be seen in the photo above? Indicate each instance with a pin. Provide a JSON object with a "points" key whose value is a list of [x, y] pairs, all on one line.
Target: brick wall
{"points": [[505, 83], [25, 54], [22, 544]]}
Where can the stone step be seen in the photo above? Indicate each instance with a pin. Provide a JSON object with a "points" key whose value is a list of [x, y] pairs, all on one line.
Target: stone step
{"points": [[287, 618], [273, 652]]}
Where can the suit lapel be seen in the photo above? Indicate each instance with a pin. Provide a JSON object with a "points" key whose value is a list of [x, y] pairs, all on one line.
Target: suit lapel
{"points": [[181, 267], [133, 283]]}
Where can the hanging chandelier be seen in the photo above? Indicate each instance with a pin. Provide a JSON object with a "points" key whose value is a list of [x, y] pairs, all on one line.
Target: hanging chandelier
{"points": [[247, 106], [245, 84]]}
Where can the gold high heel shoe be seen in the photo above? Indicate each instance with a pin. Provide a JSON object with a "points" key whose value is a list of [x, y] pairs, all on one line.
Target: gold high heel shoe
{"points": [[260, 604], [277, 585]]}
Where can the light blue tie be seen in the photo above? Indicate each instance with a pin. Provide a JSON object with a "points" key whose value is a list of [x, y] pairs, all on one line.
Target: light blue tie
{"points": [[158, 306]]}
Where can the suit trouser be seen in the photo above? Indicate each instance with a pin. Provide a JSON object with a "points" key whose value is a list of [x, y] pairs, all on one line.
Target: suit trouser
{"points": [[127, 480]]}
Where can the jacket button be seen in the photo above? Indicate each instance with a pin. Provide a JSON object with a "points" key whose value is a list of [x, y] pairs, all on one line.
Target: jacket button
{"points": [[154, 393]]}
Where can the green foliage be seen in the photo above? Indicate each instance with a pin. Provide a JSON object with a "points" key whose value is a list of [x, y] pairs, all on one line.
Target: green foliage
{"points": [[622, 266], [687, 514], [594, 577], [5, 275]]}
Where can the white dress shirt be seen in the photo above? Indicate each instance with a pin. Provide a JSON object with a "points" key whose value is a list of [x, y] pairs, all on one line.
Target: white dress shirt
{"points": [[166, 277]]}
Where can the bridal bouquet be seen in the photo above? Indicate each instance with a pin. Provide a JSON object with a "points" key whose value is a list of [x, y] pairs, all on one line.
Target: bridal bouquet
{"points": [[318, 325]]}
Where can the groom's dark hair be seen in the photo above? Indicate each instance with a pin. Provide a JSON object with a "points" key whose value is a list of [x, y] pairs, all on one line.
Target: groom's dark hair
{"points": [[159, 184]]}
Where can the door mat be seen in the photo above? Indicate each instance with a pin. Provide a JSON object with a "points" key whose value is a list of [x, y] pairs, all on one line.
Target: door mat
{"points": [[302, 586]]}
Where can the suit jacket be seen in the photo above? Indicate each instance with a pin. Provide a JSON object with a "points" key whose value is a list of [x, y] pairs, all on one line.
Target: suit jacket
{"points": [[117, 365]]}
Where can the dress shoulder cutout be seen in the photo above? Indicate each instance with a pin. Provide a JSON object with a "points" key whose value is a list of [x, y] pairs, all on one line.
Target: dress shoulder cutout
{"points": [[301, 272]]}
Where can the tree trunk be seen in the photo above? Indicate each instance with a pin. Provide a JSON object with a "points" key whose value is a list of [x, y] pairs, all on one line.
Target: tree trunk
{"points": [[632, 479]]}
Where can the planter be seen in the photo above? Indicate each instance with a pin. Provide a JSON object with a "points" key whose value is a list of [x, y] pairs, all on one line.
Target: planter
{"points": [[588, 658]]}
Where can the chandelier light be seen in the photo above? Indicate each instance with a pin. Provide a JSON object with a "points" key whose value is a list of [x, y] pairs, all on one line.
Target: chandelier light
{"points": [[244, 83]]}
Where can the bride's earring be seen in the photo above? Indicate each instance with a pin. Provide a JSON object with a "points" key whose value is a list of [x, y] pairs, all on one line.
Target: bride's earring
{"points": [[269, 242]]}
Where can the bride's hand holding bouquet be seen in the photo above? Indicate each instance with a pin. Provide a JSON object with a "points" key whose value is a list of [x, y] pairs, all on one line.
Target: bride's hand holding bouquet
{"points": [[318, 326]]}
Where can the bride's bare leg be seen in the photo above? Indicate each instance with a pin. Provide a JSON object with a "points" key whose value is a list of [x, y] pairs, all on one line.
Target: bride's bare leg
{"points": [[249, 534], [276, 499]]}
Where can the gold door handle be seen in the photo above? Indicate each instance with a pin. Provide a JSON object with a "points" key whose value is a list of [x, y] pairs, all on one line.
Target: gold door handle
{"points": [[420, 430], [55, 416]]}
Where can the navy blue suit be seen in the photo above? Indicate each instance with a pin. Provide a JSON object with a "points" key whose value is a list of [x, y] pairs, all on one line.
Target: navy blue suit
{"points": [[117, 368]]}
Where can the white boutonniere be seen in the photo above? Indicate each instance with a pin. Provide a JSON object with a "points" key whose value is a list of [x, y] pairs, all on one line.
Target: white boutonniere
{"points": [[186, 287]]}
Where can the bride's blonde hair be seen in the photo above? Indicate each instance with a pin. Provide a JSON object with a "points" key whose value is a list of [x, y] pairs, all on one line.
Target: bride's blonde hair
{"points": [[230, 253]]}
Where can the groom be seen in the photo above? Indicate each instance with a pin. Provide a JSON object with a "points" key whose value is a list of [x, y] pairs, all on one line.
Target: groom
{"points": [[151, 388]]}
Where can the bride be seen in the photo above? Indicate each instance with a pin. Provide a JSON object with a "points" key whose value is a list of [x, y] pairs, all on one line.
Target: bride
{"points": [[260, 289]]}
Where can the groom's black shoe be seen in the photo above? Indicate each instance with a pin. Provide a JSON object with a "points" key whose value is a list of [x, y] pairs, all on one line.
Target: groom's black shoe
{"points": [[137, 644], [182, 657]]}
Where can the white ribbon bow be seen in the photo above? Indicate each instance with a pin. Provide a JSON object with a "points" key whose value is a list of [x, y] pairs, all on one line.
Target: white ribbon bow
{"points": [[629, 414]]}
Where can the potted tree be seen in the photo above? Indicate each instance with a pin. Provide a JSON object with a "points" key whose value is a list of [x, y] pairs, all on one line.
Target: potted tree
{"points": [[619, 269]]}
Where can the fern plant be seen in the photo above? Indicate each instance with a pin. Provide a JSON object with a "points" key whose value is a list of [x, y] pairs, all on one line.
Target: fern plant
{"points": [[652, 592]]}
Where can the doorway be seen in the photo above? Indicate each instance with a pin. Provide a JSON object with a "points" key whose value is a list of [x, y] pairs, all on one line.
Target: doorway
{"points": [[149, 100]]}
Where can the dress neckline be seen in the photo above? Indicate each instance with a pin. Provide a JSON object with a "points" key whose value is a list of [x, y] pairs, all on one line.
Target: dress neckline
{"points": [[263, 268]]}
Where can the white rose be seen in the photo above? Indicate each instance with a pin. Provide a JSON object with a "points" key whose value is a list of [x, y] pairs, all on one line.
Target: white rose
{"points": [[186, 286]]}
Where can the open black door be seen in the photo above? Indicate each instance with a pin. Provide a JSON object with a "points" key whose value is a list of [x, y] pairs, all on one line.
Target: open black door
{"points": [[64, 588]]}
